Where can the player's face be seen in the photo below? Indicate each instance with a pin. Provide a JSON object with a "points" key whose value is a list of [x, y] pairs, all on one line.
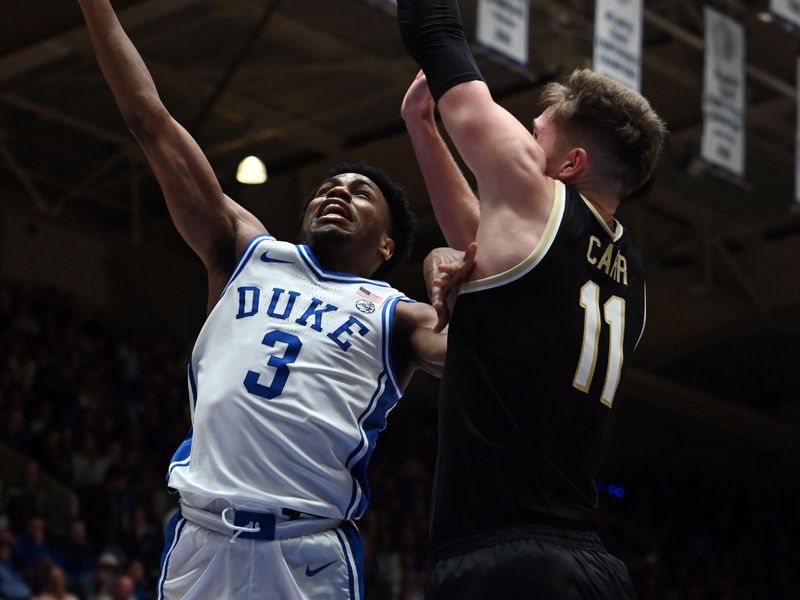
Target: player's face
{"points": [[349, 205]]}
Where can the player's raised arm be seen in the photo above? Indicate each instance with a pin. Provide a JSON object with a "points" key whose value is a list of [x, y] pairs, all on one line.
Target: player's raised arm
{"points": [[454, 203], [516, 195], [215, 227]]}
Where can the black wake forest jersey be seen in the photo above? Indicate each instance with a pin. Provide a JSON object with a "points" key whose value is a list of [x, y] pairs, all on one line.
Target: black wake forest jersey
{"points": [[534, 363]]}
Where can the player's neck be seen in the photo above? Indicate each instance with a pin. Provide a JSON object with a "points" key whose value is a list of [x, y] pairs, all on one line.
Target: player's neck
{"points": [[605, 204], [339, 258]]}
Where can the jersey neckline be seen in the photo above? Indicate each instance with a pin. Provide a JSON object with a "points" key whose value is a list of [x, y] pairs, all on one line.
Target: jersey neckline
{"points": [[324, 275], [617, 231]]}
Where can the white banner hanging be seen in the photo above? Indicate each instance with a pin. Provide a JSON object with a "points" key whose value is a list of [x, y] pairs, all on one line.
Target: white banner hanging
{"points": [[504, 27], [618, 41], [723, 143], [787, 12]]}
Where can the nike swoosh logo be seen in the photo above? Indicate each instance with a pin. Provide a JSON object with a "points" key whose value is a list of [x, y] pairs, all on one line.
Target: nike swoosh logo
{"points": [[311, 572], [267, 259]]}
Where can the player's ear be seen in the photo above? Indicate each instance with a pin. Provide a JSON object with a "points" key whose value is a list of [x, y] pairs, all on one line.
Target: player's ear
{"points": [[574, 163], [386, 246]]}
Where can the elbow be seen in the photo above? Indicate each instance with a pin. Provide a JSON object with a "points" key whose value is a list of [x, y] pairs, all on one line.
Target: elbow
{"points": [[146, 120]]}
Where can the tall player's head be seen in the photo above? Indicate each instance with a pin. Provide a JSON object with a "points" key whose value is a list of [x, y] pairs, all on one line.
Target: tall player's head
{"points": [[593, 128], [359, 210]]}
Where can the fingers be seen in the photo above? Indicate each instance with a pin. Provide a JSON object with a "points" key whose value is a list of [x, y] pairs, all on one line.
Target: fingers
{"points": [[469, 253], [443, 313], [448, 268]]}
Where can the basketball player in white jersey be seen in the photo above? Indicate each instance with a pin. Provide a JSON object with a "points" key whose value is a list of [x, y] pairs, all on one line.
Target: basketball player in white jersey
{"points": [[291, 378]]}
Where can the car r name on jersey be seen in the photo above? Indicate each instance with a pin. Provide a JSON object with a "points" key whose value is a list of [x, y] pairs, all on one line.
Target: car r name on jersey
{"points": [[283, 303], [610, 260]]}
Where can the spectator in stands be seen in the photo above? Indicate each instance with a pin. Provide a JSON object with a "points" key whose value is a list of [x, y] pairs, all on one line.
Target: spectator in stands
{"points": [[32, 550], [12, 585], [89, 467], [54, 456], [105, 576], [124, 588], [141, 589], [141, 540], [15, 432], [78, 556], [55, 587], [26, 498]]}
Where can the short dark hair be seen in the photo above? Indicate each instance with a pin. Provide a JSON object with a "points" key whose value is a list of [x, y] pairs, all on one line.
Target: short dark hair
{"points": [[401, 227], [613, 116]]}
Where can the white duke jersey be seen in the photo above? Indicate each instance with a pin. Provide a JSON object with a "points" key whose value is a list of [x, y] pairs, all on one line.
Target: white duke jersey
{"points": [[290, 382]]}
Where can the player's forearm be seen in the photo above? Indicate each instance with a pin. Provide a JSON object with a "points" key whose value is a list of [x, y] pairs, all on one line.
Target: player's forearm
{"points": [[455, 205], [122, 66], [433, 34]]}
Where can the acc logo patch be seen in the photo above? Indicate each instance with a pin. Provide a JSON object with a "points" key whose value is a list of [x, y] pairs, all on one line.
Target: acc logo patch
{"points": [[365, 306]]}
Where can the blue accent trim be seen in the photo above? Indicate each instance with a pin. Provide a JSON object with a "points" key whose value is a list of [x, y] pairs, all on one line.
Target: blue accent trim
{"points": [[245, 258], [168, 549], [373, 420], [357, 549], [354, 453], [387, 320], [182, 456], [316, 269], [373, 425], [192, 384], [350, 579]]}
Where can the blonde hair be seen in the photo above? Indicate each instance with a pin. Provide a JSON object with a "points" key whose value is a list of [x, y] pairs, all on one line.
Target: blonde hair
{"points": [[616, 121]]}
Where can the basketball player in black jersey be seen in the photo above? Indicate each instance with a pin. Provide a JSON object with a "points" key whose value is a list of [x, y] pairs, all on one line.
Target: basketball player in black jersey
{"points": [[540, 336]]}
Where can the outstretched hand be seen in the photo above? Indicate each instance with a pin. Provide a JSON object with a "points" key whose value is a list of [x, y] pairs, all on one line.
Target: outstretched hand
{"points": [[418, 103], [450, 268]]}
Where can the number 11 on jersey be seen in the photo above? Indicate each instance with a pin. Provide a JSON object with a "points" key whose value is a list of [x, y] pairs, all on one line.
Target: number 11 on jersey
{"points": [[614, 315]]}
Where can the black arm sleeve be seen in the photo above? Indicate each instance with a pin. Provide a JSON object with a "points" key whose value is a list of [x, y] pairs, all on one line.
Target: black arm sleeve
{"points": [[433, 33]]}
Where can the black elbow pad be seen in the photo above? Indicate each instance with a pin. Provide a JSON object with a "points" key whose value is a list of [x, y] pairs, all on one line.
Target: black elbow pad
{"points": [[433, 34]]}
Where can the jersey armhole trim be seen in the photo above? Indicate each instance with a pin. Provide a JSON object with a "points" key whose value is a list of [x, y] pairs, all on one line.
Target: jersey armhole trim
{"points": [[644, 315], [388, 340], [535, 257], [245, 258]]}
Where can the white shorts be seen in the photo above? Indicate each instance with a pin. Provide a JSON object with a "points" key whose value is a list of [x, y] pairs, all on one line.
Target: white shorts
{"points": [[201, 563]]}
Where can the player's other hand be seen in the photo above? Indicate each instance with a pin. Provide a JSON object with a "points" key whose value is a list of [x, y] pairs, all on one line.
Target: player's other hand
{"points": [[445, 271], [418, 104]]}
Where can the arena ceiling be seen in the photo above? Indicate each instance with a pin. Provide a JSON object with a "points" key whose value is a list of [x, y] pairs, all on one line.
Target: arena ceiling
{"points": [[306, 83]]}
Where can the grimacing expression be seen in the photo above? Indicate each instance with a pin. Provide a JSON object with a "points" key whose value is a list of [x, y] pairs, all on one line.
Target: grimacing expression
{"points": [[347, 205]]}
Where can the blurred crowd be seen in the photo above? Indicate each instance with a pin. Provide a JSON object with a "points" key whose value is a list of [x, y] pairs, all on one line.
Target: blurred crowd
{"points": [[100, 409]]}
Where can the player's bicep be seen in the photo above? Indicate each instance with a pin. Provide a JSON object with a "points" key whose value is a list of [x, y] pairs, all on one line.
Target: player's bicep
{"points": [[204, 216], [498, 149]]}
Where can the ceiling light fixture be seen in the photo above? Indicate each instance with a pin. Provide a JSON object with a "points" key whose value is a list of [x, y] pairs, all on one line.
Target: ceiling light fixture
{"points": [[251, 171]]}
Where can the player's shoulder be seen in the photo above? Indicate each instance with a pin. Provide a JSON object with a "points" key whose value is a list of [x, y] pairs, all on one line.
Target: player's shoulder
{"points": [[263, 247]]}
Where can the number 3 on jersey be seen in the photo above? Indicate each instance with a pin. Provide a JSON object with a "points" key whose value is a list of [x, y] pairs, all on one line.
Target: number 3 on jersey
{"points": [[614, 314], [279, 363]]}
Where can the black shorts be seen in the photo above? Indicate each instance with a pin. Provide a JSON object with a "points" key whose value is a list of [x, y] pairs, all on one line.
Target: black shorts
{"points": [[530, 563]]}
